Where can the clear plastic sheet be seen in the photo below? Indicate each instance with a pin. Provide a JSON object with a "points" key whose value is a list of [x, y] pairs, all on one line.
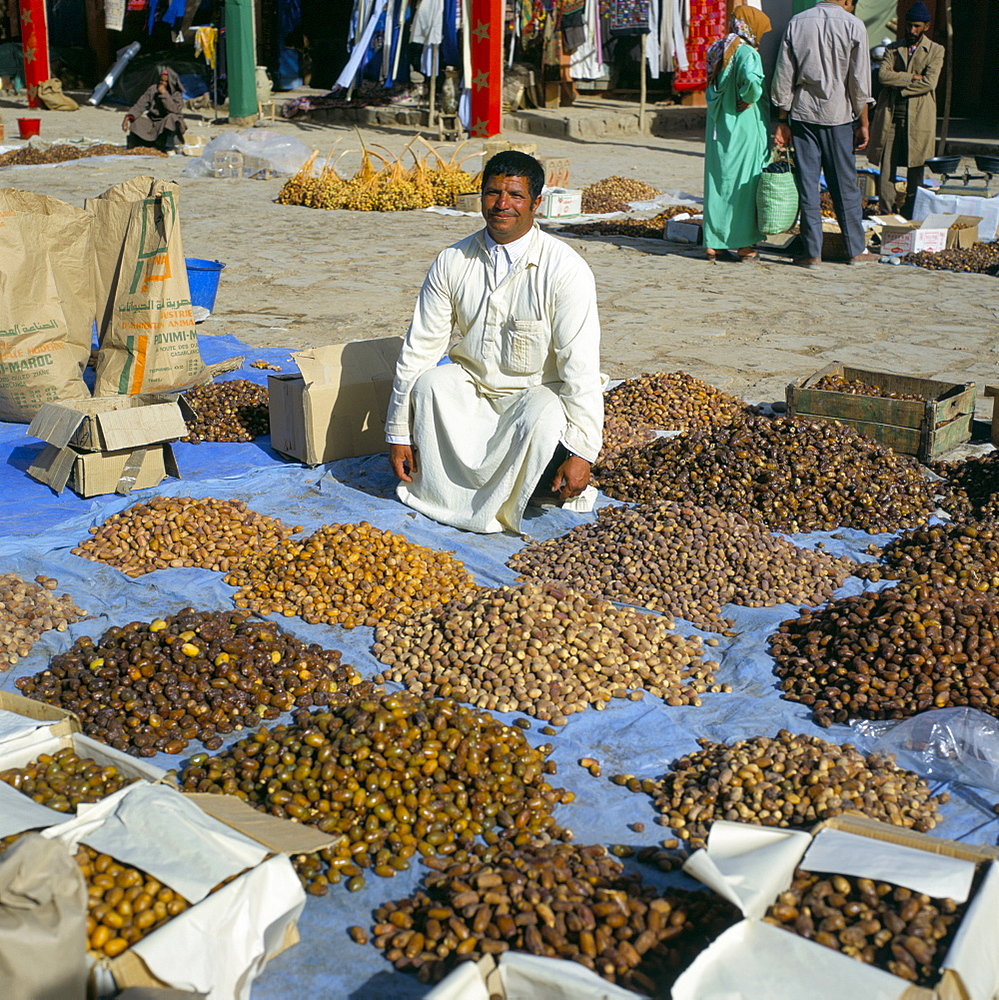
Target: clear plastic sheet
{"points": [[948, 744], [282, 153]]}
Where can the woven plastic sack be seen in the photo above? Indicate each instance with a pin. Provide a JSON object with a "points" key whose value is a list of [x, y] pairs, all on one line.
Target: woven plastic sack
{"points": [[777, 195]]}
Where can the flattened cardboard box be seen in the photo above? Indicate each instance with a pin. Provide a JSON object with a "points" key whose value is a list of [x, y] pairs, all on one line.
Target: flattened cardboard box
{"points": [[336, 407], [93, 473], [112, 423]]}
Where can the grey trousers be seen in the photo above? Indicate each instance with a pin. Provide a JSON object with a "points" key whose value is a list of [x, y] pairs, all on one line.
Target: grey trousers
{"points": [[827, 149]]}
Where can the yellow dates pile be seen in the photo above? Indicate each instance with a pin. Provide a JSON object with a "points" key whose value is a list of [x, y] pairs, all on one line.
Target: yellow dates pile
{"points": [[348, 574]]}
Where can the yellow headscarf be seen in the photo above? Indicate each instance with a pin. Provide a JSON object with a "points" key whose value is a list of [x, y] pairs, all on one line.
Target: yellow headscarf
{"points": [[747, 24]]}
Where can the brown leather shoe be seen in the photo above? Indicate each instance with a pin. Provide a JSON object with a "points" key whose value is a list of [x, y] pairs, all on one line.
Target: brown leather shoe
{"points": [[864, 258], [811, 262]]}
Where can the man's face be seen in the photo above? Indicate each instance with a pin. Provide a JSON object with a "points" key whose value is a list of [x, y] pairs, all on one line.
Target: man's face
{"points": [[914, 30], [507, 207]]}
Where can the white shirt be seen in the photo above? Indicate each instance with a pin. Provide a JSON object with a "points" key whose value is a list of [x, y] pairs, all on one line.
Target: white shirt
{"points": [[536, 324]]}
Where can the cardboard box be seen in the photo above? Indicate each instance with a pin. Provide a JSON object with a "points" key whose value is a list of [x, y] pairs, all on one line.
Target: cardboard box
{"points": [[556, 171], [468, 202], [63, 731], [515, 975], [684, 230], [926, 428], [335, 408], [751, 865], [559, 202], [932, 234], [111, 423], [93, 473], [170, 836], [490, 147]]}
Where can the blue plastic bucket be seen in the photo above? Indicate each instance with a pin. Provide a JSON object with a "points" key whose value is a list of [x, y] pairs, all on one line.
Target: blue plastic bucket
{"points": [[203, 279]]}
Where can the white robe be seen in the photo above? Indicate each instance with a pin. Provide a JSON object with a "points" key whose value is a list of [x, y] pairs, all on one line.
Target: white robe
{"points": [[526, 376]]}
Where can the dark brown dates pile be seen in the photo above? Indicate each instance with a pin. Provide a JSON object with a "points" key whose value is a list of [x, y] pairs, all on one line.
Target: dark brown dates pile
{"points": [[891, 654], [905, 932], [396, 775], [791, 474], [148, 688], [857, 387], [552, 900], [672, 401], [982, 258], [236, 410], [958, 554], [973, 486]]}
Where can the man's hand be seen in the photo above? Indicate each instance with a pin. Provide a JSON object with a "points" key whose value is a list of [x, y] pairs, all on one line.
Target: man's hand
{"points": [[783, 134], [402, 458], [572, 478], [860, 136], [126, 123], [741, 105]]}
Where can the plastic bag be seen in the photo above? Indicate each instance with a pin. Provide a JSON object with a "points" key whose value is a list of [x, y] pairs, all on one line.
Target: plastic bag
{"points": [[284, 154], [948, 744]]}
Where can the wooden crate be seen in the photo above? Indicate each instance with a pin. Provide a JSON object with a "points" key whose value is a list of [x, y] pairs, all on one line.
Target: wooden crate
{"points": [[992, 392], [926, 428]]}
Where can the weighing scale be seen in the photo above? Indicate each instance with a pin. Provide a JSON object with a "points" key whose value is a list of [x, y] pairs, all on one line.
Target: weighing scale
{"points": [[953, 181]]}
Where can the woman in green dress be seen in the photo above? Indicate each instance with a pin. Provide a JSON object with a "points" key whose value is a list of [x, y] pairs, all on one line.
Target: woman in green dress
{"points": [[736, 139]]}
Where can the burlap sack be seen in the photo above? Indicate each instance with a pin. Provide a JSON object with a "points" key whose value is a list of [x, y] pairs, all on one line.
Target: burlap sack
{"points": [[148, 340], [43, 922], [51, 95], [47, 302]]}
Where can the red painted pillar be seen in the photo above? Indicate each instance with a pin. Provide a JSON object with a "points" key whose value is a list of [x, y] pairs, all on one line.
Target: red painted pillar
{"points": [[486, 26], [35, 45]]}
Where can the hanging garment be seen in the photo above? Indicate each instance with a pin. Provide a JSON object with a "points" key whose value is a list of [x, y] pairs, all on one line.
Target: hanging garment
{"points": [[586, 63], [652, 40], [205, 39], [360, 50], [707, 24], [680, 15], [428, 23]]}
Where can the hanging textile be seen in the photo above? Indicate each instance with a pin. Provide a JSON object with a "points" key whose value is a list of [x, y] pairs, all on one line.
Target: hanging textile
{"points": [[428, 23], [707, 25], [360, 51], [652, 40], [681, 14], [586, 63], [629, 17]]}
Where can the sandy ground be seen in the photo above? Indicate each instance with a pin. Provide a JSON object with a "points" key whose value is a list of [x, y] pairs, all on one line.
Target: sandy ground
{"points": [[299, 277]]}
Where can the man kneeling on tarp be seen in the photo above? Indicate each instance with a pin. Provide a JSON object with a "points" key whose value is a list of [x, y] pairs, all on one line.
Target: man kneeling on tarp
{"points": [[518, 416]]}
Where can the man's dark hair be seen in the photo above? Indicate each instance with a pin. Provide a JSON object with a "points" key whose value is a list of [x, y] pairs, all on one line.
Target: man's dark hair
{"points": [[511, 163]]}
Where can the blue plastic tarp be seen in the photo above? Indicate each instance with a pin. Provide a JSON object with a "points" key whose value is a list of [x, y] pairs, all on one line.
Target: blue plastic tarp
{"points": [[39, 531]]}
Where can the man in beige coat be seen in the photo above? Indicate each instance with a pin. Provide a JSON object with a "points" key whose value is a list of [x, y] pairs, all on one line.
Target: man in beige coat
{"points": [[905, 123]]}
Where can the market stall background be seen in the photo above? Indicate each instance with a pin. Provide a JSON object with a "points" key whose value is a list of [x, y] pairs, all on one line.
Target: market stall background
{"points": [[641, 737]]}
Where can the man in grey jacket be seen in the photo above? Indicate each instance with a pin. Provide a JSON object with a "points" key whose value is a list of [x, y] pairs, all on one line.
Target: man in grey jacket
{"points": [[822, 89]]}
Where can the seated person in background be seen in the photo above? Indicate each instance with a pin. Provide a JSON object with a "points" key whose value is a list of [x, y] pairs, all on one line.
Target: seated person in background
{"points": [[155, 119], [520, 411]]}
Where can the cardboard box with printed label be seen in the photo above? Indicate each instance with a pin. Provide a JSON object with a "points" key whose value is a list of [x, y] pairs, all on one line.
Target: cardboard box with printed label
{"points": [[556, 170], [558, 202], [336, 406], [108, 444], [755, 960], [933, 234]]}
